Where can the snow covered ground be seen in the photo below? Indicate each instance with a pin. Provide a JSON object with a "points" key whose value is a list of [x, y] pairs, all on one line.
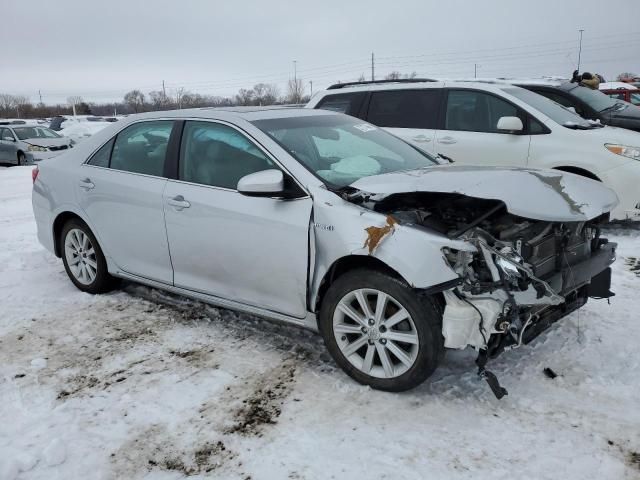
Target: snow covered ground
{"points": [[139, 384]]}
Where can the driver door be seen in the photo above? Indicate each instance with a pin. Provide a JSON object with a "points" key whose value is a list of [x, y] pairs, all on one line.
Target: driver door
{"points": [[470, 134], [252, 250], [8, 151]]}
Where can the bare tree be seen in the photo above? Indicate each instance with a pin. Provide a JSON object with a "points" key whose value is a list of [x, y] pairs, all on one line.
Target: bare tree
{"points": [[159, 100], [395, 75], [135, 100], [265, 93], [245, 97], [362, 78], [179, 96], [7, 103], [22, 105], [295, 90]]}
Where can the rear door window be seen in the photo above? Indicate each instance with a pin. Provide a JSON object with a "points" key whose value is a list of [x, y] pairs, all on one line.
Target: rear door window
{"points": [[102, 156], [405, 108], [348, 103], [142, 148]]}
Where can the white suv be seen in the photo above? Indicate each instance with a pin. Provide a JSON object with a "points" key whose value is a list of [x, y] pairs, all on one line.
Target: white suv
{"points": [[497, 124]]}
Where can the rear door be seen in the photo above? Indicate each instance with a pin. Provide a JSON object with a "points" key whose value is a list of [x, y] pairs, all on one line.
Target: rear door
{"points": [[120, 188], [409, 114], [470, 134], [252, 250]]}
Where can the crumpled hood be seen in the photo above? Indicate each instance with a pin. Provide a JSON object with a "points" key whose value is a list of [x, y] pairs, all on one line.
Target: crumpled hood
{"points": [[547, 195], [47, 142]]}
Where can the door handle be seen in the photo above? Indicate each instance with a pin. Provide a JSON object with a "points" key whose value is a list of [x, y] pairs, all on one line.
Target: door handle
{"points": [[87, 184], [447, 140], [178, 202], [421, 138]]}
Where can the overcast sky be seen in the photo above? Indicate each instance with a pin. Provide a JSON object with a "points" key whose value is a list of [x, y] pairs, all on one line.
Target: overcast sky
{"points": [[101, 49]]}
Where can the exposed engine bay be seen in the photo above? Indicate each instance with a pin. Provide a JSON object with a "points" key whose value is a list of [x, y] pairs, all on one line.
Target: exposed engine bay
{"points": [[524, 275]]}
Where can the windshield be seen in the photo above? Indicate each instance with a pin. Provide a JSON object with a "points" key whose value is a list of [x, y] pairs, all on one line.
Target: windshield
{"points": [[594, 98], [551, 109], [341, 149], [24, 133]]}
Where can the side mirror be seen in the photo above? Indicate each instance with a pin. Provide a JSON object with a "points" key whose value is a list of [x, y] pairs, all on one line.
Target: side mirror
{"points": [[510, 124], [267, 183]]}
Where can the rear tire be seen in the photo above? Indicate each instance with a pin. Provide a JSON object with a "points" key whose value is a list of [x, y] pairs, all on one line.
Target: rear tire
{"points": [[83, 258], [395, 345]]}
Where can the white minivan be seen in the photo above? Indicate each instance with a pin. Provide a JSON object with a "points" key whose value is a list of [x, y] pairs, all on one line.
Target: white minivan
{"points": [[496, 124]]}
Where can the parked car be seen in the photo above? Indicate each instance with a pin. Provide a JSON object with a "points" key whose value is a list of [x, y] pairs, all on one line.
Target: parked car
{"points": [[22, 144], [497, 124], [324, 221], [589, 104], [621, 91]]}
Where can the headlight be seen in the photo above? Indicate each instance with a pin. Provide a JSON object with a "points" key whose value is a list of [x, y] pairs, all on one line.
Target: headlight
{"points": [[624, 150], [36, 148], [509, 267]]}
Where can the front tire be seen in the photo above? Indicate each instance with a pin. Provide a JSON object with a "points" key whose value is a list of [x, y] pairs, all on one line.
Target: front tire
{"points": [[83, 258], [380, 331], [21, 159]]}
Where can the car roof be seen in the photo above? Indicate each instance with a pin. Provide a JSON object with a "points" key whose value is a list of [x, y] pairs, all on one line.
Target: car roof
{"points": [[233, 113], [485, 85]]}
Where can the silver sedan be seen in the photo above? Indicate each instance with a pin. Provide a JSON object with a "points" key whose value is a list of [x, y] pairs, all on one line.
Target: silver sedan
{"points": [[324, 221], [24, 144]]}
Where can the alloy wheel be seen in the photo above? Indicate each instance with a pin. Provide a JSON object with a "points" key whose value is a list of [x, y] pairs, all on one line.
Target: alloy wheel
{"points": [[81, 256], [375, 333]]}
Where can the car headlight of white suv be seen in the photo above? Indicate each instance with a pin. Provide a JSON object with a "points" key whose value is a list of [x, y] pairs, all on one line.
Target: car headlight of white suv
{"points": [[624, 150], [36, 148]]}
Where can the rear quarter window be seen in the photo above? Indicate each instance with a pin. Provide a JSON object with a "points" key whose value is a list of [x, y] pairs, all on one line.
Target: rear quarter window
{"points": [[348, 103]]}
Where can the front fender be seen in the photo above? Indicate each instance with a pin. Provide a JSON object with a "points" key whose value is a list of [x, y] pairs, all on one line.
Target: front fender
{"points": [[341, 229]]}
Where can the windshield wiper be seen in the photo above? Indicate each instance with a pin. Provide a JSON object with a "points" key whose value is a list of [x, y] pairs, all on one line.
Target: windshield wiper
{"points": [[444, 157], [577, 126], [616, 106]]}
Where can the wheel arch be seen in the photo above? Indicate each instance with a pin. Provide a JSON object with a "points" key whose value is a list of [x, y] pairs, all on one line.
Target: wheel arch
{"points": [[578, 171], [346, 264], [58, 225]]}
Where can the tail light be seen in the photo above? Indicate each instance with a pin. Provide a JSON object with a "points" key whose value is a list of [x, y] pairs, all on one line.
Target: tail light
{"points": [[34, 174]]}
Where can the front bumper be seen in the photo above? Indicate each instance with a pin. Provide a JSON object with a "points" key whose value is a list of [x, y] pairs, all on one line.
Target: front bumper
{"points": [[576, 283], [624, 180]]}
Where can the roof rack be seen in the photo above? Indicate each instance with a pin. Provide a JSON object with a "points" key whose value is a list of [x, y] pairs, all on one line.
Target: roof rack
{"points": [[374, 82]]}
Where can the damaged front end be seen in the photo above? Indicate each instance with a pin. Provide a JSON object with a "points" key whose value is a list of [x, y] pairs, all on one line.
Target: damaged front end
{"points": [[524, 275]]}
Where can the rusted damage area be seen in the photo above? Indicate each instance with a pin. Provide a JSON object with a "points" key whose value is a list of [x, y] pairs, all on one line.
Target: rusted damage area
{"points": [[375, 235]]}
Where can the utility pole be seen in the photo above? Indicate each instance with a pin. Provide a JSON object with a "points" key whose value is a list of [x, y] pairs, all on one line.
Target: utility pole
{"points": [[311, 87], [164, 92], [373, 77], [475, 70], [40, 95], [580, 49], [295, 76]]}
